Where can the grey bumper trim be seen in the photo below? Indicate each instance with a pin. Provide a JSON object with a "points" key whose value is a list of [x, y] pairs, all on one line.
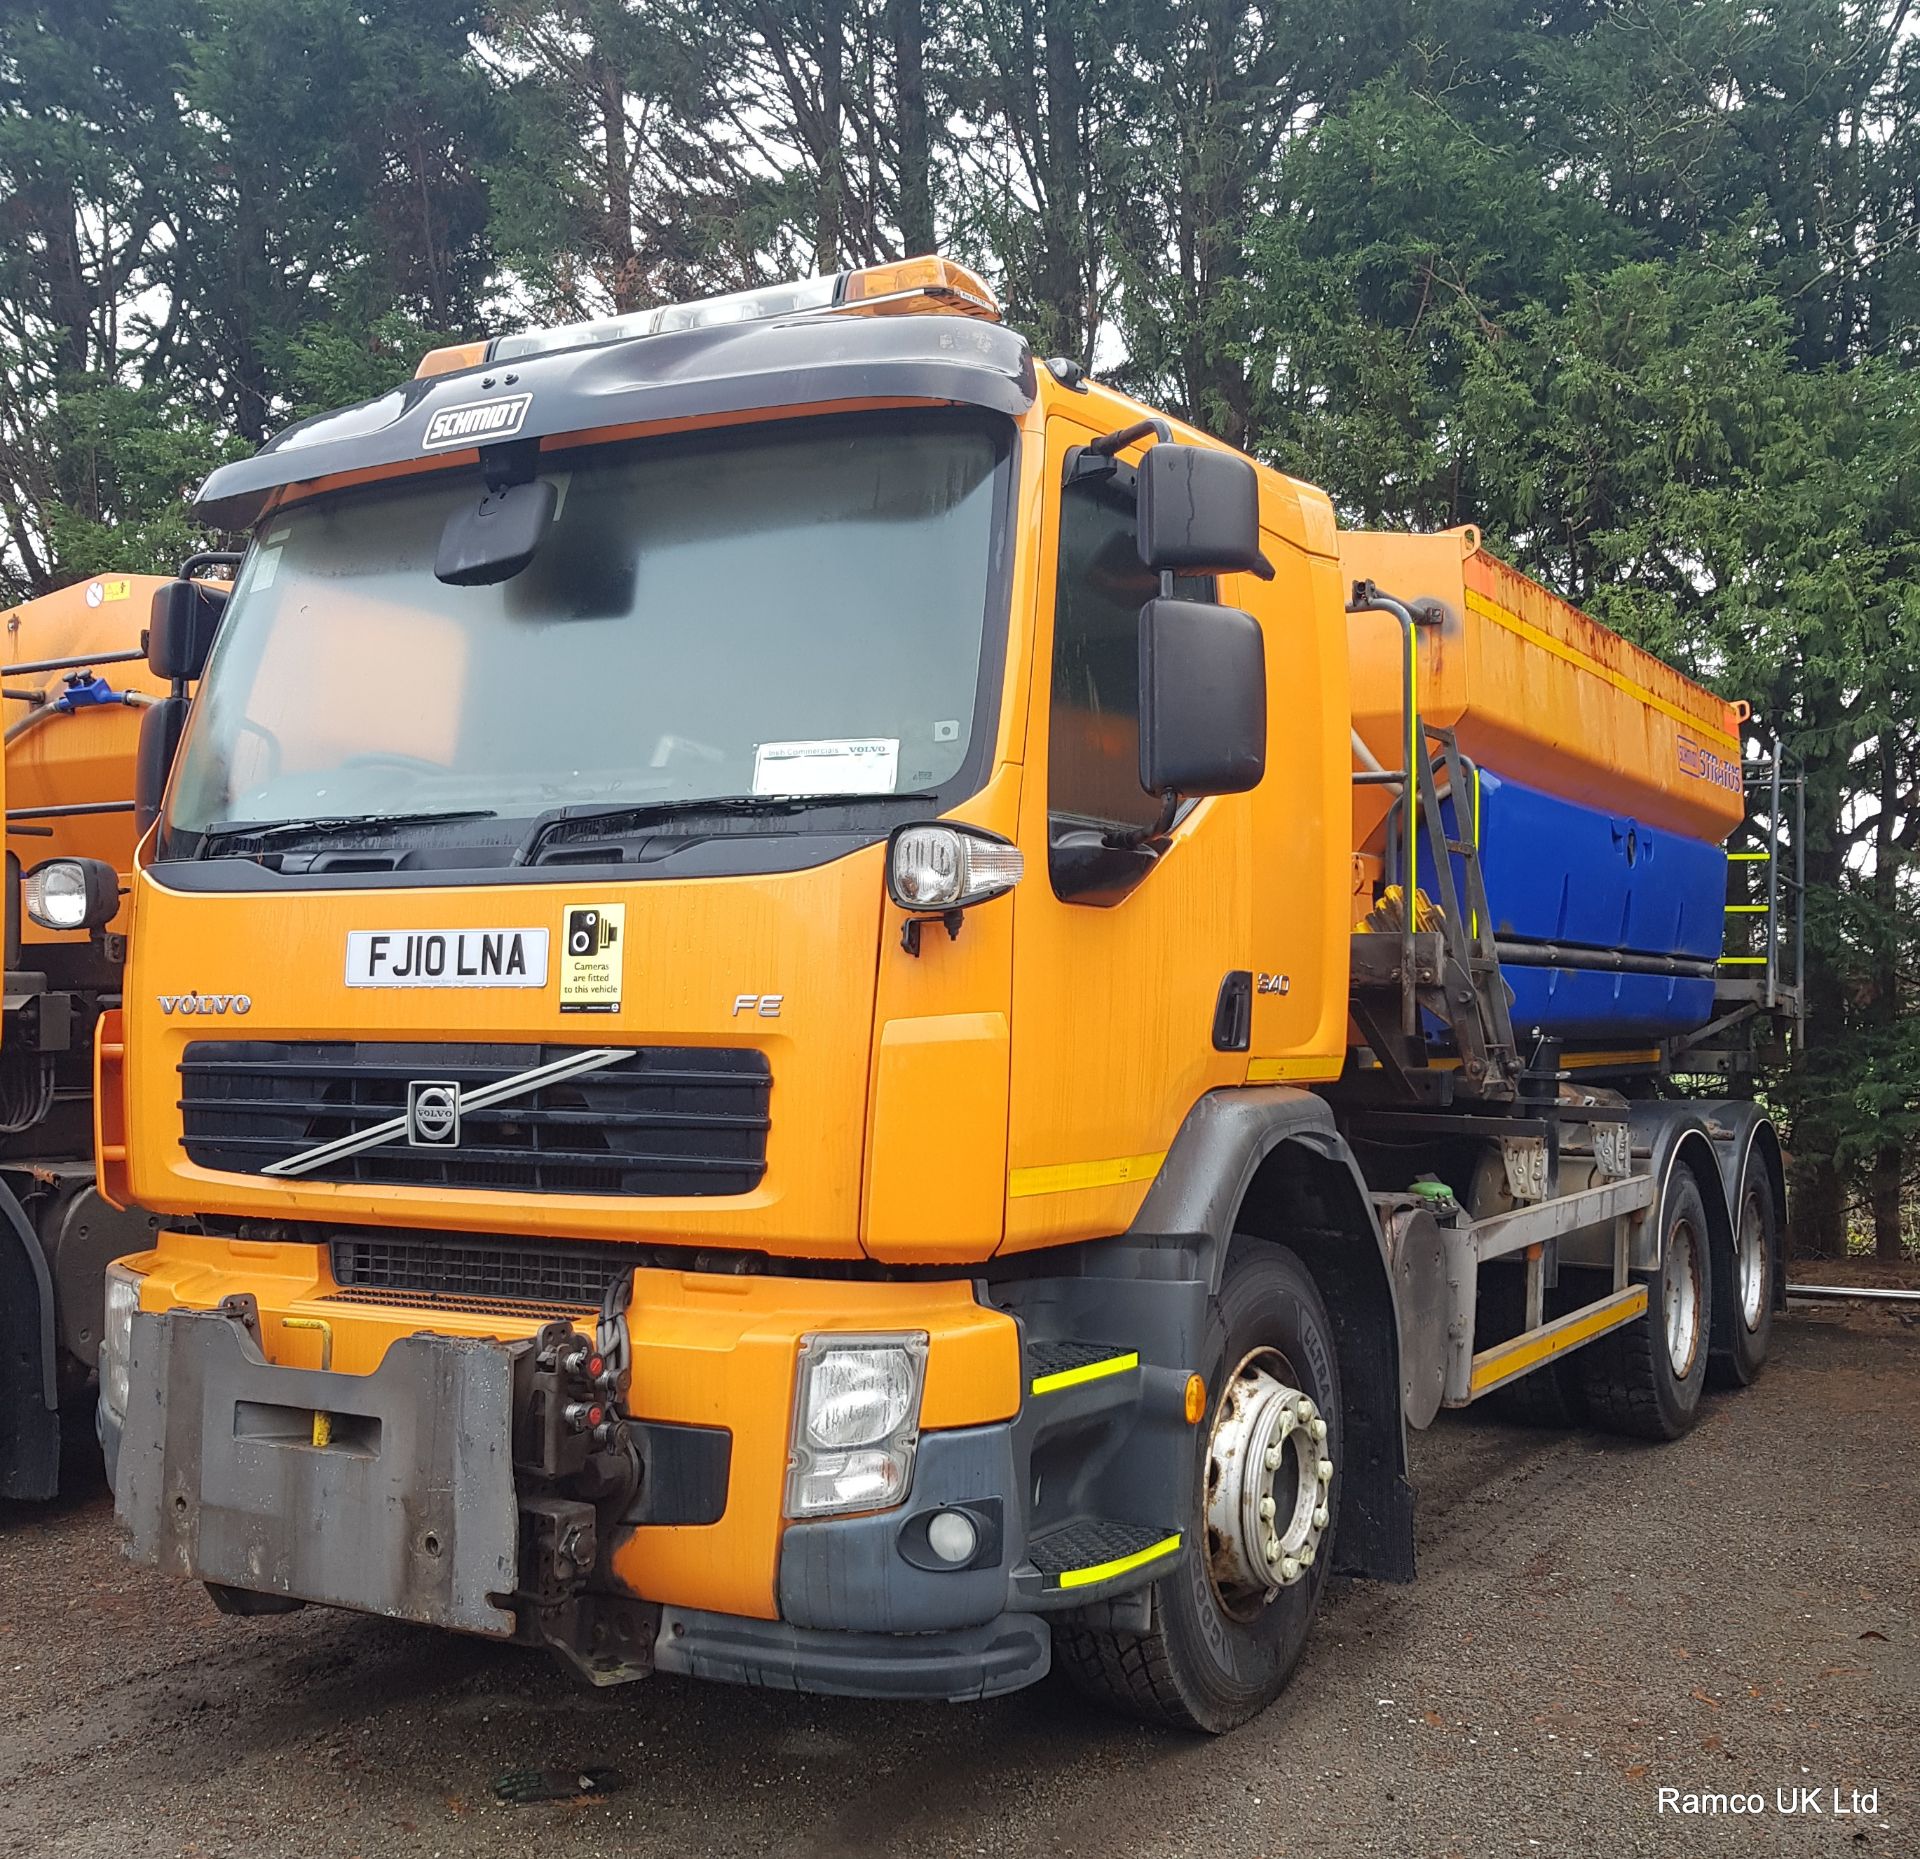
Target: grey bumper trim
{"points": [[966, 1663]]}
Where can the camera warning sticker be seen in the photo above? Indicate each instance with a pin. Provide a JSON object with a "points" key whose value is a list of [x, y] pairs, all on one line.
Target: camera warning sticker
{"points": [[593, 950]]}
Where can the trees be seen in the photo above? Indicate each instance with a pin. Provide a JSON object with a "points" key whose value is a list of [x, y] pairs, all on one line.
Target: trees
{"points": [[1634, 287]]}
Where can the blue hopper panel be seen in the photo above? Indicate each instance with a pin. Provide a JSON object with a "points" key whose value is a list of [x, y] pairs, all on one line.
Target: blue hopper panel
{"points": [[1560, 872]]}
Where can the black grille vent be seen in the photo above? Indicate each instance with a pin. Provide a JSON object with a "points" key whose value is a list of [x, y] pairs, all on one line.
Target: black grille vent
{"points": [[442, 1268], [659, 1120]]}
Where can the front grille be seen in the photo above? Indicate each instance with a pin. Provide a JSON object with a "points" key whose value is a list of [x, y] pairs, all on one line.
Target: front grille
{"points": [[660, 1120], [469, 1268]]}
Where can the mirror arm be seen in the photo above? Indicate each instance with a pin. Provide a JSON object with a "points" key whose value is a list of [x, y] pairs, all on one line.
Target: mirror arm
{"points": [[516, 461], [1116, 442], [1136, 836], [208, 558]]}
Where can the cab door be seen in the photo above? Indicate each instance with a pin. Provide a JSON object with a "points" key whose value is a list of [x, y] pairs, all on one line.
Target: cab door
{"points": [[1120, 950]]}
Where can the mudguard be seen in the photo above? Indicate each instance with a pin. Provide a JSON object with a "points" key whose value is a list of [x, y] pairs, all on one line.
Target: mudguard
{"points": [[29, 1387]]}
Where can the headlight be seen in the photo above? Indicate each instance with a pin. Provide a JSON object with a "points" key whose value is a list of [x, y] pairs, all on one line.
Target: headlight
{"points": [[71, 893], [116, 1339], [940, 868], [856, 1421]]}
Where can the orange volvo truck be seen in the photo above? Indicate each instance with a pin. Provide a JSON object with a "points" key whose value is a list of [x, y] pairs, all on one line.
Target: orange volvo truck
{"points": [[818, 1005], [74, 680]]}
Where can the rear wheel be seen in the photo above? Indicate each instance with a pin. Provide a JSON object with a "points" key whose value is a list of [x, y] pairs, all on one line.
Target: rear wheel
{"points": [[1645, 1380], [1230, 1622], [1756, 1248]]}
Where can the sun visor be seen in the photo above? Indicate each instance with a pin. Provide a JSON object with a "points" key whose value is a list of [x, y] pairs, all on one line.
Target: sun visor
{"points": [[686, 375]]}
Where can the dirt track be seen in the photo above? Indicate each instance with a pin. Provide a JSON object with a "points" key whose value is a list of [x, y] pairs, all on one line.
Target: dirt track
{"points": [[1594, 1620]]}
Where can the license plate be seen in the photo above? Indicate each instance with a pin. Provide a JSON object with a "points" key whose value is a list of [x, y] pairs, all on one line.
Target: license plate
{"points": [[475, 958]]}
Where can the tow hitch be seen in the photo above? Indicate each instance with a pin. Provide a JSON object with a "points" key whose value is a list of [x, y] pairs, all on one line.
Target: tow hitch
{"points": [[577, 1469]]}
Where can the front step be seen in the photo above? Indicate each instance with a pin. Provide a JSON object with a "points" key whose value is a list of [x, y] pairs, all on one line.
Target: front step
{"points": [[1054, 1367], [1093, 1551]]}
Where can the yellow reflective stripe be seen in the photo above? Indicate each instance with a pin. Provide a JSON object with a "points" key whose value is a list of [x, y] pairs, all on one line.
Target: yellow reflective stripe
{"points": [[1091, 1371], [1746, 910], [1506, 1360], [1577, 1061], [1105, 1571], [1750, 855], [1068, 1177], [1743, 961], [1547, 643], [1302, 1065]]}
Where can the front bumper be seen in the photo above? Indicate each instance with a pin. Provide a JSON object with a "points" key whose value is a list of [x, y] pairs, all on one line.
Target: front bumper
{"points": [[957, 1666], [409, 1510], [413, 1506]]}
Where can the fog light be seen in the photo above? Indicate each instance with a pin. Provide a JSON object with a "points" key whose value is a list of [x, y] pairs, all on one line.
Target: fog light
{"points": [[952, 1537]]}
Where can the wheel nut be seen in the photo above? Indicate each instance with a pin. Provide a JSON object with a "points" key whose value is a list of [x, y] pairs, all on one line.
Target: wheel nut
{"points": [[1273, 1458], [1306, 1557], [1266, 1509], [1273, 1549], [1289, 1569], [1320, 1517], [1305, 1409], [1326, 1471], [1319, 1429]]}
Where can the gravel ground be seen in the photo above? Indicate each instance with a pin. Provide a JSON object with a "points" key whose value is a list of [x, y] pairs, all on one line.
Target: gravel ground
{"points": [[1594, 1621]]}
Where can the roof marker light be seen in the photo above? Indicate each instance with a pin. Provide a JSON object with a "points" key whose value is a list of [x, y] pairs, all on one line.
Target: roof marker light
{"points": [[910, 286]]}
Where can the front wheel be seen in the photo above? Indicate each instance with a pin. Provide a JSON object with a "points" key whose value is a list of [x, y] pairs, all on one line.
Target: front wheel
{"points": [[1231, 1621]]}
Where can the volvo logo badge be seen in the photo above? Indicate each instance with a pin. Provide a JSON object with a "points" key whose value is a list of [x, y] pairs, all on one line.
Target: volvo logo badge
{"points": [[433, 1113]]}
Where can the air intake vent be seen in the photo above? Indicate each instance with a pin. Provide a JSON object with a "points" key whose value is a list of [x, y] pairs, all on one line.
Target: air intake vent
{"points": [[471, 1269], [661, 1120]]}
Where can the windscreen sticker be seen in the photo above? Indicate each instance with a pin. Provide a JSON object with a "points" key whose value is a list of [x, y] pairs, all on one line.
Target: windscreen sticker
{"points": [[592, 955], [478, 958], [266, 568], [100, 592], [843, 765]]}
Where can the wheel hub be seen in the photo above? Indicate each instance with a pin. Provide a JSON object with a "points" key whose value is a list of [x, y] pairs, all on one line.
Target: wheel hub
{"points": [[1269, 1481], [1682, 1298]]}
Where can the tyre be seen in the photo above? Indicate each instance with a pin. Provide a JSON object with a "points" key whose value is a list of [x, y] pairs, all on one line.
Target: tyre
{"points": [[1645, 1380], [1230, 1621], [1747, 1324]]}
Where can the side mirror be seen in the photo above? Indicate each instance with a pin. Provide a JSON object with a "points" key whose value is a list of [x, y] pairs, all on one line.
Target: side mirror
{"points": [[1198, 511], [1203, 699], [491, 541], [161, 725], [180, 630]]}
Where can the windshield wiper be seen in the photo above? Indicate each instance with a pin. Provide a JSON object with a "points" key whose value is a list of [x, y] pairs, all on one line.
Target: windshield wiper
{"points": [[326, 826], [633, 814]]}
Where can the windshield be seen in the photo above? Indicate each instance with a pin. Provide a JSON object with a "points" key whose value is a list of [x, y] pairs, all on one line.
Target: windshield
{"points": [[769, 611]]}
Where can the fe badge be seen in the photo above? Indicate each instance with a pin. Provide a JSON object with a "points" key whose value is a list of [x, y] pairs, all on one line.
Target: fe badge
{"points": [[592, 948]]}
